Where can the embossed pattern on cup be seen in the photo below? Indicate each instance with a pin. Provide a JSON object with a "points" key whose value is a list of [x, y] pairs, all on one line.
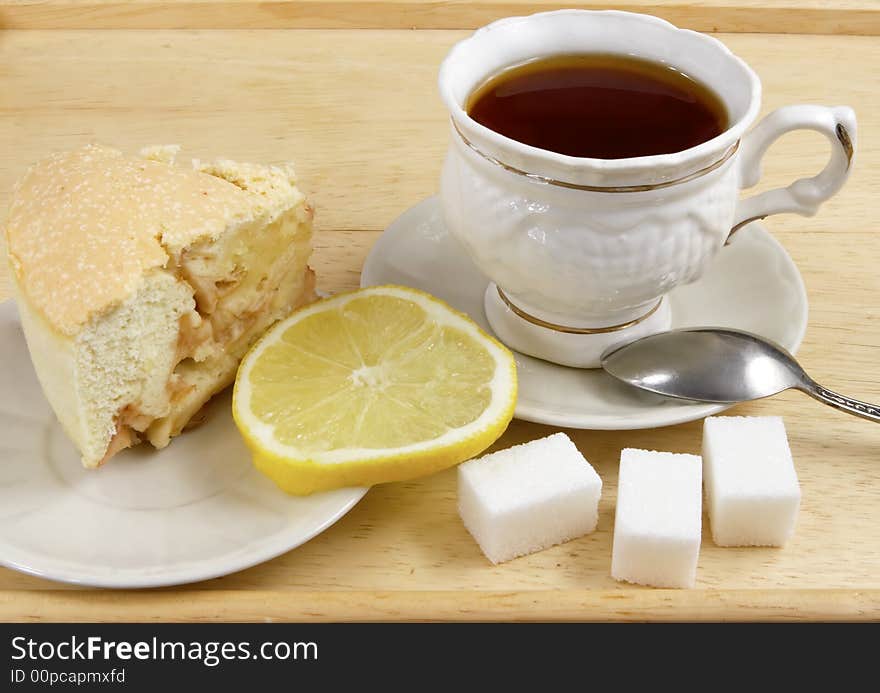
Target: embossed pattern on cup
{"points": [[584, 257]]}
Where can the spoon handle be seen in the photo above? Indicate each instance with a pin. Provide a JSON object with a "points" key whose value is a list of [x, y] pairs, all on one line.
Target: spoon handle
{"points": [[847, 404]]}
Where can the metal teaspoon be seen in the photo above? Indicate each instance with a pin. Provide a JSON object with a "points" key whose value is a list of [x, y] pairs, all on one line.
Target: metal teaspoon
{"points": [[719, 365]]}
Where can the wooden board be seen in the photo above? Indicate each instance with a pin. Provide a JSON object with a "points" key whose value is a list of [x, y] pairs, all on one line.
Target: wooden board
{"points": [[788, 16], [369, 138]]}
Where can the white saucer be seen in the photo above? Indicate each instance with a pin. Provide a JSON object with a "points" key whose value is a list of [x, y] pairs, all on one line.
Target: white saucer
{"points": [[753, 285], [193, 511]]}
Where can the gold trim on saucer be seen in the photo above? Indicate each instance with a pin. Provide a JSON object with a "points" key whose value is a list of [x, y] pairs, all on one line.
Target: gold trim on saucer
{"points": [[573, 330], [598, 188]]}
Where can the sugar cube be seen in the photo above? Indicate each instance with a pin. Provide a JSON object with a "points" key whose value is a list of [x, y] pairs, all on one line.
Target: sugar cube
{"points": [[658, 521], [528, 497], [752, 488]]}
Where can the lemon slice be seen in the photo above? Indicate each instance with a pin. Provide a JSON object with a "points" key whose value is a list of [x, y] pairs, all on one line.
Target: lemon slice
{"points": [[382, 384]]}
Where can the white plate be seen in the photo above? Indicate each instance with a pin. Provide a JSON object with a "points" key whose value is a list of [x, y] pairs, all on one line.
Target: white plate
{"points": [[752, 285], [193, 511]]}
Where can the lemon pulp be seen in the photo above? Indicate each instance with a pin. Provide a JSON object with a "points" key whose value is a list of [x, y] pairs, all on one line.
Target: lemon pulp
{"points": [[382, 384]]}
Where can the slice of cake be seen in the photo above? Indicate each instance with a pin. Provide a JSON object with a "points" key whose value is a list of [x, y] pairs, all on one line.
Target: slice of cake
{"points": [[141, 284]]}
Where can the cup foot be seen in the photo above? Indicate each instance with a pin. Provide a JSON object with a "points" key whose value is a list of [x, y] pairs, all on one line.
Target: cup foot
{"points": [[577, 349]]}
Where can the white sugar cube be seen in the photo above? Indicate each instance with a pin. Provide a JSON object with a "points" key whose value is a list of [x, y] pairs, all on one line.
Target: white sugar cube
{"points": [[528, 497], [658, 521], [752, 488]]}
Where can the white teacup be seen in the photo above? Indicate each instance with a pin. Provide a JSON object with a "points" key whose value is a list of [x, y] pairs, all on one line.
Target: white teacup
{"points": [[582, 251]]}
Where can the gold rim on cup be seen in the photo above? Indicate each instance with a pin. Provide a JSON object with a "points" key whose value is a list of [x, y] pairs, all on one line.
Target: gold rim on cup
{"points": [[528, 317], [597, 188]]}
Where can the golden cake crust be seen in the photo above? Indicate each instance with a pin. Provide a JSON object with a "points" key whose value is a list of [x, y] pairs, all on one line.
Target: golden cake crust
{"points": [[85, 226]]}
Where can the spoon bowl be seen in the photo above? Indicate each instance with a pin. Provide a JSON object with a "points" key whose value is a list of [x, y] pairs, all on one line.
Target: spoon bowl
{"points": [[718, 365]]}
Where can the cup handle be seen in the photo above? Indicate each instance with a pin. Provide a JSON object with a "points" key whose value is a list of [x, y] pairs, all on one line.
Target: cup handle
{"points": [[805, 195]]}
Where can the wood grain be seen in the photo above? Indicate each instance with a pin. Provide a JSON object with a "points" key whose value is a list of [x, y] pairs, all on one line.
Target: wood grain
{"points": [[775, 16], [422, 605], [369, 138]]}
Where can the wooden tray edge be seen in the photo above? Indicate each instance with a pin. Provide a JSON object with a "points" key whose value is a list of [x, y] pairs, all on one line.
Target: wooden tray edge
{"points": [[722, 16], [625, 604]]}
